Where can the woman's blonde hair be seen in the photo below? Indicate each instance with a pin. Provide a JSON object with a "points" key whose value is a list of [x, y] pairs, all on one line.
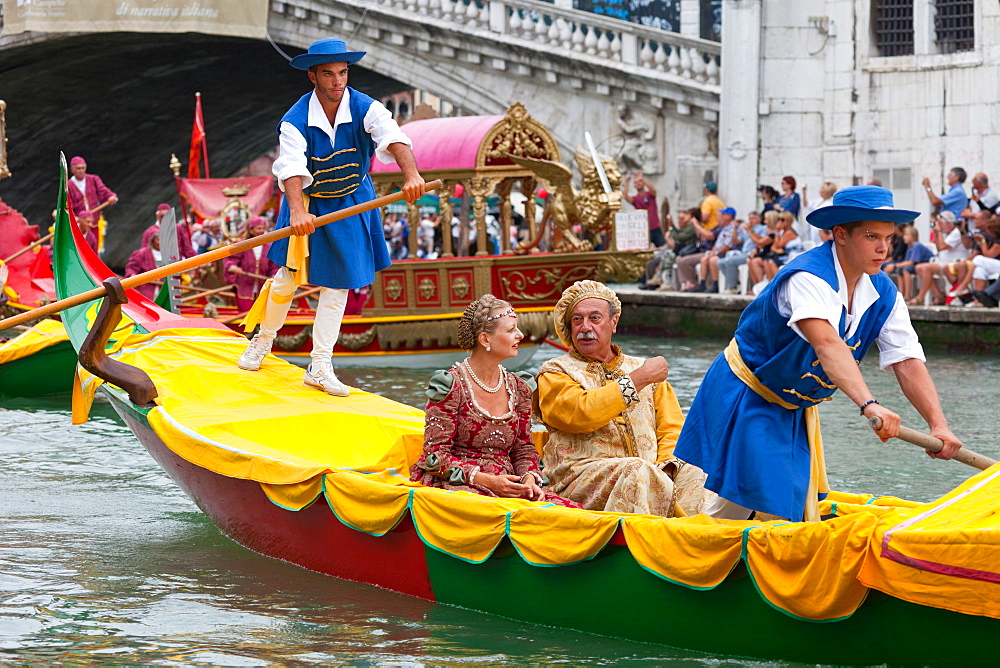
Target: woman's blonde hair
{"points": [[476, 320], [771, 219]]}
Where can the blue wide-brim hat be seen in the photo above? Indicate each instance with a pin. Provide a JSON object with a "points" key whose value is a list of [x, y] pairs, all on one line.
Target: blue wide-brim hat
{"points": [[326, 51], [859, 203]]}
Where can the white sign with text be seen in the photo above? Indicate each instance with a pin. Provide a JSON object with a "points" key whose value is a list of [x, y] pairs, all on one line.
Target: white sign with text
{"points": [[632, 230]]}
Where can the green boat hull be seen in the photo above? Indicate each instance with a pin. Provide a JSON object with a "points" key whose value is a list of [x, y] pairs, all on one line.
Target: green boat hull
{"points": [[48, 371]]}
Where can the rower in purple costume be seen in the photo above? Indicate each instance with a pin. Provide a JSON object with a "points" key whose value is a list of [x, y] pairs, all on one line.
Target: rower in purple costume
{"points": [[754, 425], [183, 234], [327, 140]]}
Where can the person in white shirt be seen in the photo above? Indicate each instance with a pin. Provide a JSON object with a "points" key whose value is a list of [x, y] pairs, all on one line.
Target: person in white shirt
{"points": [[753, 427], [827, 190], [983, 197], [952, 248], [327, 140]]}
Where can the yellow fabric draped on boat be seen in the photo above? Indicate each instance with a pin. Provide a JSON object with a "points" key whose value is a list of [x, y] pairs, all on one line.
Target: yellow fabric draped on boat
{"points": [[302, 445], [43, 335], [945, 554]]}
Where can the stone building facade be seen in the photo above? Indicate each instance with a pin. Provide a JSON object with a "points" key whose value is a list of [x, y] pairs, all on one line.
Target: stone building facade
{"points": [[844, 90]]}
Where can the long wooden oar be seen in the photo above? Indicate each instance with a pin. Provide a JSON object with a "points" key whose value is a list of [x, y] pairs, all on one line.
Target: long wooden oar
{"points": [[928, 442], [28, 248], [190, 263], [201, 294]]}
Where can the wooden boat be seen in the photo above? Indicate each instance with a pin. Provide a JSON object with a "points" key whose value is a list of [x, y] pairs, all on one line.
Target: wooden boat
{"points": [[414, 305], [894, 581]]}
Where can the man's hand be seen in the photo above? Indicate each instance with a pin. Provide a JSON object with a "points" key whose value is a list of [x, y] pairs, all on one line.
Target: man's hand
{"points": [[113, 199], [302, 223], [890, 421], [236, 270], [926, 182], [653, 370], [413, 188], [951, 443]]}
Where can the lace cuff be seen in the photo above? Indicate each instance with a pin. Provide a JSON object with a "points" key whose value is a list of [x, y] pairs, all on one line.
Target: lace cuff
{"points": [[627, 388]]}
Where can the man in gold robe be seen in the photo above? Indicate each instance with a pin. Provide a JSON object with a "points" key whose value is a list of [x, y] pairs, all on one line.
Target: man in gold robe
{"points": [[613, 419]]}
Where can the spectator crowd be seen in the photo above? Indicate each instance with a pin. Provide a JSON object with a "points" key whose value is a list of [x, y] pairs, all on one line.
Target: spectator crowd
{"points": [[705, 247]]}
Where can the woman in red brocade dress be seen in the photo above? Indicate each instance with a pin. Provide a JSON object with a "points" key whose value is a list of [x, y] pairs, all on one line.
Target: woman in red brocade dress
{"points": [[477, 436], [245, 269]]}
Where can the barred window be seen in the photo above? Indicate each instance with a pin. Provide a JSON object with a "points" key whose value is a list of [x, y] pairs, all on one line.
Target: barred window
{"points": [[892, 27], [953, 25]]}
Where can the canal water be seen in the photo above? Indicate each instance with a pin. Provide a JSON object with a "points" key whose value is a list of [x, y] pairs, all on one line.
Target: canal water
{"points": [[104, 560]]}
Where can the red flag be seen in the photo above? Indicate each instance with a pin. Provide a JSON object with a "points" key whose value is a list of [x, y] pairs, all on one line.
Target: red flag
{"points": [[199, 147]]}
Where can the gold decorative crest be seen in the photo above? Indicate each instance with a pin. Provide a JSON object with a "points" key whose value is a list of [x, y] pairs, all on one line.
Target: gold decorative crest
{"points": [[461, 287], [236, 189], [427, 288], [393, 288]]}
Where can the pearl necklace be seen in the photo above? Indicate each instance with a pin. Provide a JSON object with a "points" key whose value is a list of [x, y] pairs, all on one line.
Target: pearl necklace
{"points": [[491, 390]]}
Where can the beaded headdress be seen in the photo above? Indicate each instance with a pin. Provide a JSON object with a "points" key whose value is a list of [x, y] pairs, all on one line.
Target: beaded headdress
{"points": [[509, 312]]}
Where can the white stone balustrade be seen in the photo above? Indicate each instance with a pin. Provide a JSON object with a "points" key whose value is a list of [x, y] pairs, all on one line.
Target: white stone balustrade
{"points": [[551, 27]]}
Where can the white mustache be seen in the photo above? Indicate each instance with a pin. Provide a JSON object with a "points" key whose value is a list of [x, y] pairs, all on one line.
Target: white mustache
{"points": [[586, 336]]}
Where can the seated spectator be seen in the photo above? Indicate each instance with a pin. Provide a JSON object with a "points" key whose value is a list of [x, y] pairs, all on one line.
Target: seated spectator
{"points": [[250, 269], [613, 419], [729, 264], [983, 197], [902, 271], [731, 236], [949, 239], [768, 196], [710, 207], [762, 244], [681, 240], [789, 200], [983, 264], [142, 260], [785, 245], [687, 265], [477, 436]]}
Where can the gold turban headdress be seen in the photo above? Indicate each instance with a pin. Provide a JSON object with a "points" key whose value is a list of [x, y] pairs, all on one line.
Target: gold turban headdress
{"points": [[573, 295]]}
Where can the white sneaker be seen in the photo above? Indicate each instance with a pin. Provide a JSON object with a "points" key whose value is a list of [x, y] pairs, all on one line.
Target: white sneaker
{"points": [[321, 376], [254, 354]]}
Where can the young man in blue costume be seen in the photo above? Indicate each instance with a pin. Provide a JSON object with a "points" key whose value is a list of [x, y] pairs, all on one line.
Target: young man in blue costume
{"points": [[754, 425], [327, 140]]}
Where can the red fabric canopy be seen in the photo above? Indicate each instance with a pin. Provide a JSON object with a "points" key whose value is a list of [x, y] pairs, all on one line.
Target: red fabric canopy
{"points": [[205, 198]]}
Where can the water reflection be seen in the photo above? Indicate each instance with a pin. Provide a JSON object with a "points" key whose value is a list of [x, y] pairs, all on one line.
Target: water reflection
{"points": [[103, 558]]}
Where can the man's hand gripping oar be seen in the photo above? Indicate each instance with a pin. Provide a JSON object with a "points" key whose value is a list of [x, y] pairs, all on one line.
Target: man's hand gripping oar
{"points": [[190, 263], [933, 444]]}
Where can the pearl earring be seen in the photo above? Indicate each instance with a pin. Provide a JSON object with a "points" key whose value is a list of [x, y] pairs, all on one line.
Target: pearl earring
{"points": [[487, 347]]}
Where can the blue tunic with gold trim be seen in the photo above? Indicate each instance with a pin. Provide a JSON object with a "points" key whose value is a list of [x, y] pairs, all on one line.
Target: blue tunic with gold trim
{"points": [[756, 453], [347, 253]]}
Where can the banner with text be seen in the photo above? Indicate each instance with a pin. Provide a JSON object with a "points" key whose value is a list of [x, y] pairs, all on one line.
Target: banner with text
{"points": [[234, 18]]}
